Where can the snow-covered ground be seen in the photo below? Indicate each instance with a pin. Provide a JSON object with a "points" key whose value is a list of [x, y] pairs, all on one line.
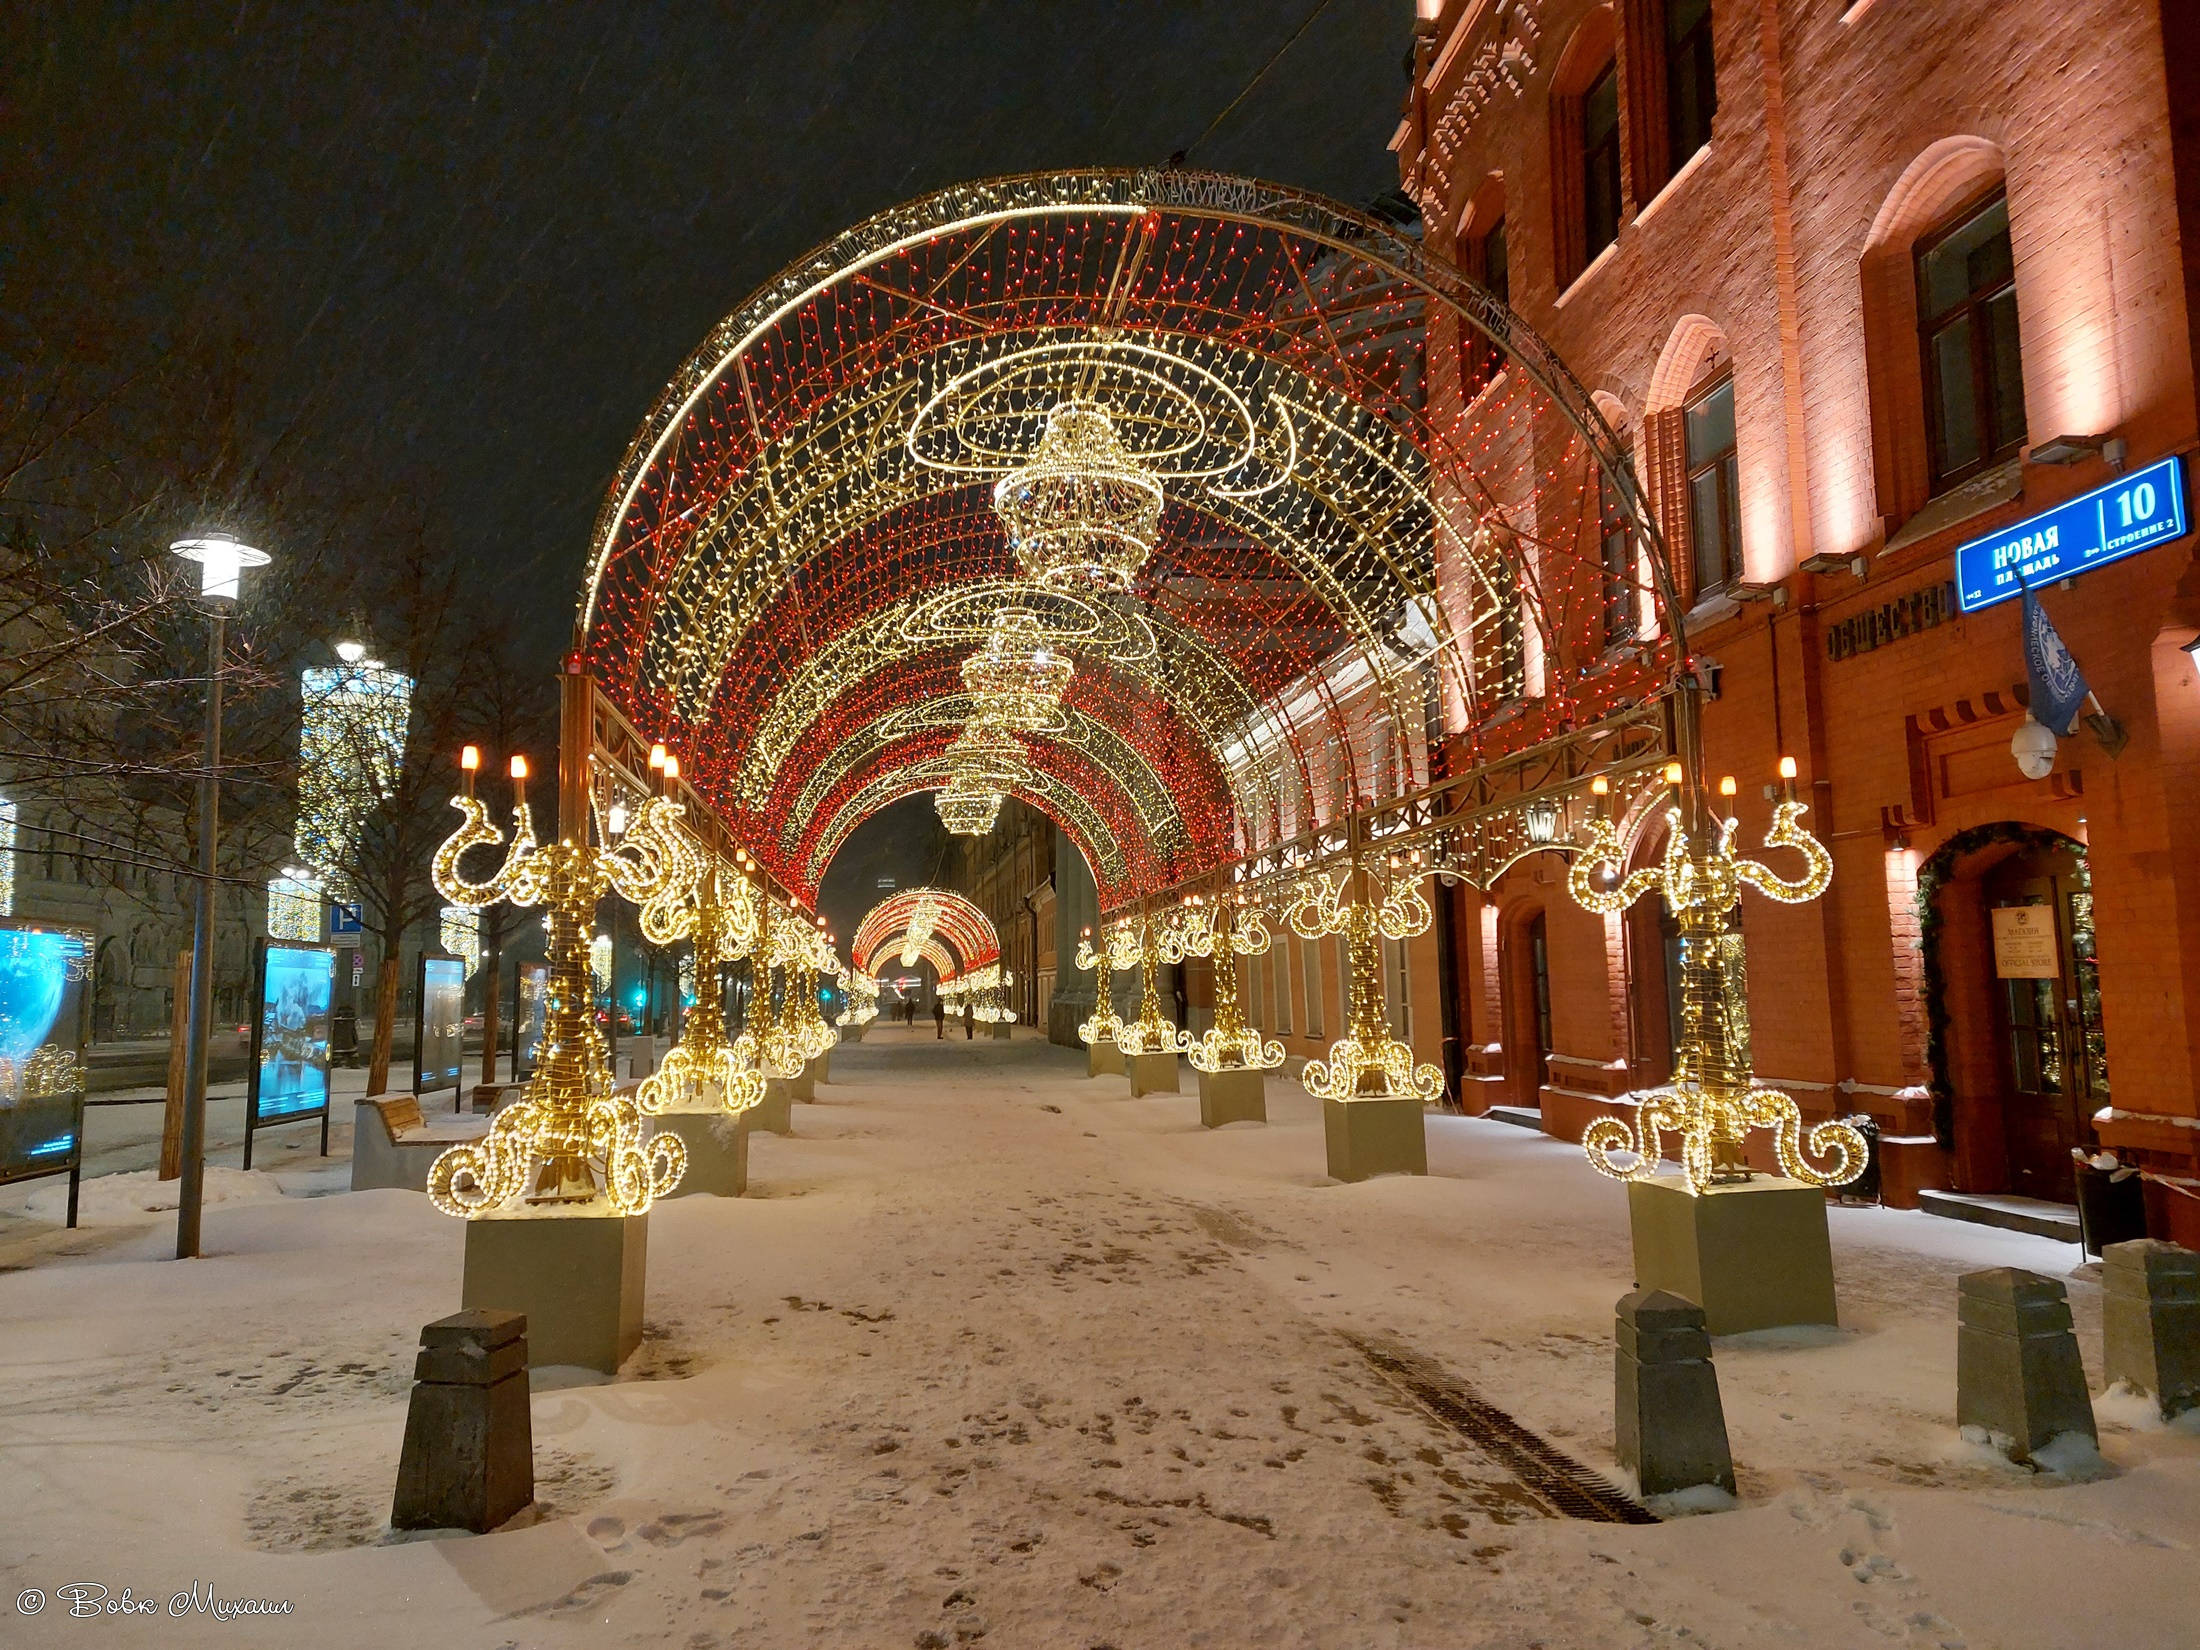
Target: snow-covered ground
{"points": [[994, 1354]]}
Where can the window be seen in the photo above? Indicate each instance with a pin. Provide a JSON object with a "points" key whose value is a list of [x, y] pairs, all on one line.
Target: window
{"points": [[1599, 165], [1310, 976], [1691, 87], [1967, 330], [1491, 260], [1279, 973], [1512, 655], [1618, 546], [1714, 526], [1496, 270], [1397, 996]]}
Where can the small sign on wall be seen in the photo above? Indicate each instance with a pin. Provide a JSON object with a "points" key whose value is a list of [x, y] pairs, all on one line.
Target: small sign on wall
{"points": [[2024, 943]]}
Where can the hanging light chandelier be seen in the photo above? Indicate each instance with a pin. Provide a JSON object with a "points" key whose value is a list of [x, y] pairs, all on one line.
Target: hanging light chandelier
{"points": [[967, 809], [1083, 510], [1016, 683], [921, 922]]}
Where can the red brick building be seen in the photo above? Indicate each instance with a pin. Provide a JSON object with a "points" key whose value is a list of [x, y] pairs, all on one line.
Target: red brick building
{"points": [[1847, 273]]}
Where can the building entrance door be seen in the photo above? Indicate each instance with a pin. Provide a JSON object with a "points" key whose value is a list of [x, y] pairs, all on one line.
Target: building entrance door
{"points": [[2053, 1060]]}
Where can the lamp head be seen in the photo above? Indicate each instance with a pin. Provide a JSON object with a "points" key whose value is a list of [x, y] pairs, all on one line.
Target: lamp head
{"points": [[221, 561], [351, 652]]}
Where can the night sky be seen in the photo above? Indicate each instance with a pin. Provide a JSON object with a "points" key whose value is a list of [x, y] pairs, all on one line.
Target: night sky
{"points": [[455, 251]]}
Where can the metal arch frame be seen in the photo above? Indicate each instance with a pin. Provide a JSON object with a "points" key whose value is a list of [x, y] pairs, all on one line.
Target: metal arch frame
{"points": [[1125, 194], [890, 918], [1129, 193]]}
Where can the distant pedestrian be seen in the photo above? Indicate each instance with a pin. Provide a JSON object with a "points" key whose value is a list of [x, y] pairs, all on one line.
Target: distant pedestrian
{"points": [[967, 1033], [939, 1021]]}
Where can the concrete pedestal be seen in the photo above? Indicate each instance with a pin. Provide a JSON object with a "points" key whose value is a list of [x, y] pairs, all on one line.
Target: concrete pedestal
{"points": [[1003, 1028], [1366, 1138], [851, 1033], [469, 1453], [2150, 1322], [819, 1070], [776, 1114], [1151, 1073], [1668, 1427], [2019, 1379], [1753, 1255], [1232, 1097], [578, 1279], [717, 1148], [1103, 1059]]}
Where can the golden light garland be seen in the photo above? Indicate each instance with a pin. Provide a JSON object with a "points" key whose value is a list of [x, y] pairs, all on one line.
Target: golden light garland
{"points": [[1153, 1032], [1714, 1101], [1226, 929], [1367, 1063], [569, 1128]]}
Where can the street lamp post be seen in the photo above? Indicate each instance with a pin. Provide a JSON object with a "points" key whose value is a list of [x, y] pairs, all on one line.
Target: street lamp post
{"points": [[221, 564]]}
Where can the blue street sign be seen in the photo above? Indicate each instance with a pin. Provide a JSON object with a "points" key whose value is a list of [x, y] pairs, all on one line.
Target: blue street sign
{"points": [[2132, 513], [342, 918]]}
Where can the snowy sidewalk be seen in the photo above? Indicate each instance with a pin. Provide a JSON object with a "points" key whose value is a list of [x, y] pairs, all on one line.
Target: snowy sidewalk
{"points": [[994, 1353]]}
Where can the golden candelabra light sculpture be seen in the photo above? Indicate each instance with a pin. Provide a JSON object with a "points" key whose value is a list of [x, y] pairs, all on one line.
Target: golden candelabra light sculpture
{"points": [[1152, 1033], [1226, 930], [1114, 953], [713, 908], [792, 1032], [549, 1147], [1367, 1063], [1713, 1102], [1082, 510], [987, 990], [862, 992]]}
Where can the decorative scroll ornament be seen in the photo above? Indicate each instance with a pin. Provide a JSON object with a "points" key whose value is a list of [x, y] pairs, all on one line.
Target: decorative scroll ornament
{"points": [[1367, 1063], [1082, 511], [793, 1031], [707, 1071], [1152, 1032], [1713, 1102], [569, 1145], [1227, 930]]}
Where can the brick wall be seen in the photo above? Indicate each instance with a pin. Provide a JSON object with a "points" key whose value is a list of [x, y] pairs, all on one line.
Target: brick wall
{"points": [[1843, 131]]}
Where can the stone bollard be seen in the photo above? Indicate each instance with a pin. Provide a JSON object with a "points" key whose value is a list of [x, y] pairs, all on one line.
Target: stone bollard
{"points": [[1669, 1428], [2018, 1375], [2150, 1322], [469, 1457]]}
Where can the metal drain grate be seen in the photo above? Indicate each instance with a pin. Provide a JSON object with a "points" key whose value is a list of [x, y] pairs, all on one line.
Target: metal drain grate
{"points": [[1561, 1483]]}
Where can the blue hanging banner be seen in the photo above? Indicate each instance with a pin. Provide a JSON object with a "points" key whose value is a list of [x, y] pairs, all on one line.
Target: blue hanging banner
{"points": [[2059, 689], [2132, 513]]}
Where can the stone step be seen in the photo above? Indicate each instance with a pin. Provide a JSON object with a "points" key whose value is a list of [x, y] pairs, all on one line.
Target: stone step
{"points": [[1520, 1117], [2005, 1210]]}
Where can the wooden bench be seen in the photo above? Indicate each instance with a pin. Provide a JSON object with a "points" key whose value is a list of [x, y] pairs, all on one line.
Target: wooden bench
{"points": [[392, 1144]]}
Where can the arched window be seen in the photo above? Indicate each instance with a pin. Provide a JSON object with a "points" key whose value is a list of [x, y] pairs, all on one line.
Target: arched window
{"points": [[1942, 356], [1587, 197], [1691, 452], [1967, 333], [1485, 253]]}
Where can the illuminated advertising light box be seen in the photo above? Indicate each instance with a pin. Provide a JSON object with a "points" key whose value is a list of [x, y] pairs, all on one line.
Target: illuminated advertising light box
{"points": [[45, 995], [439, 1023], [2134, 512], [530, 1005], [288, 1080]]}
